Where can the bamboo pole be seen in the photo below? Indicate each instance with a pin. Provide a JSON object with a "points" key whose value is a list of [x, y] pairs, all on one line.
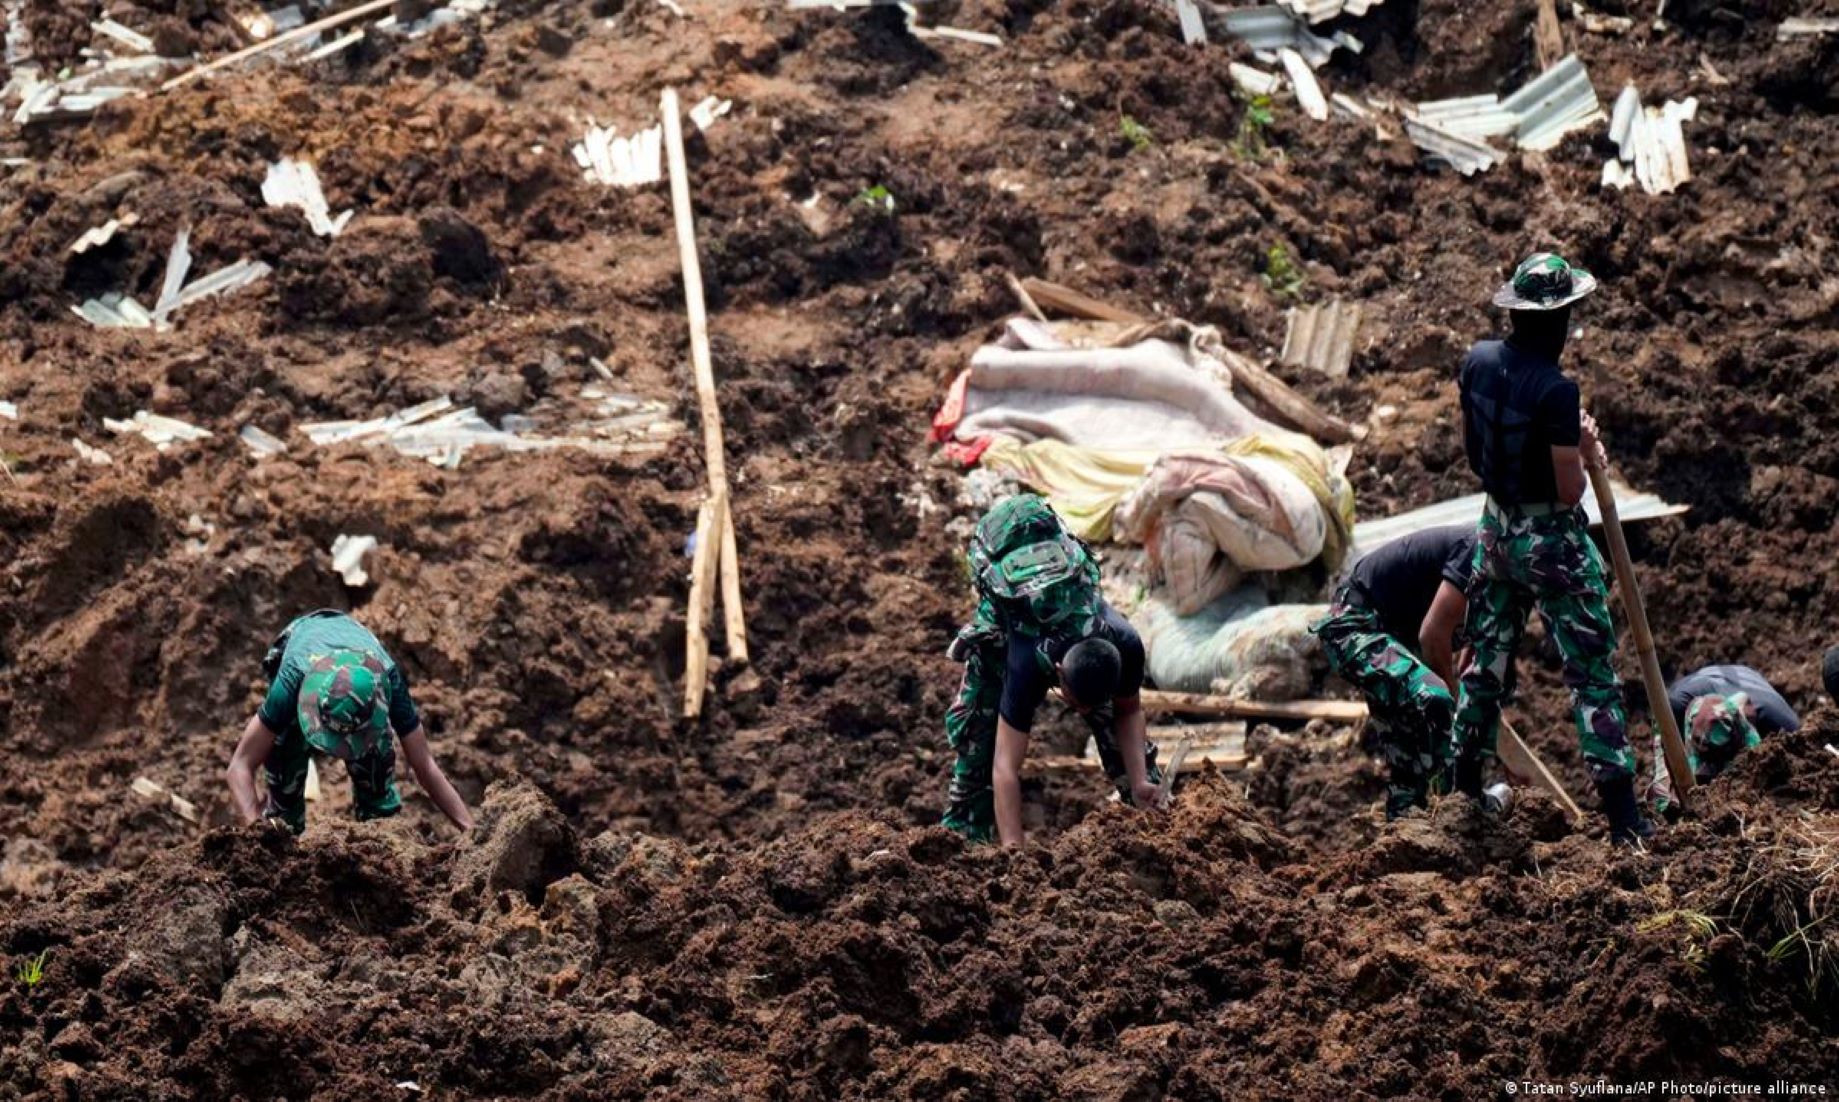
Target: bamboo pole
{"points": [[282, 39], [702, 603], [714, 456], [1517, 755], [1673, 749], [1337, 711]]}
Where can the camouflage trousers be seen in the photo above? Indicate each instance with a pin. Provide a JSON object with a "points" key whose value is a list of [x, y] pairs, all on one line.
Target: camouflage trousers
{"points": [[1409, 709], [970, 728], [1548, 563], [373, 784]]}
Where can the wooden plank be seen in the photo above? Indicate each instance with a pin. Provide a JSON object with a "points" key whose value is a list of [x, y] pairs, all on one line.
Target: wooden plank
{"points": [[1055, 296], [1022, 296], [295, 35], [1335, 711], [702, 600], [1224, 761], [714, 455], [1548, 38], [1283, 400], [1517, 756]]}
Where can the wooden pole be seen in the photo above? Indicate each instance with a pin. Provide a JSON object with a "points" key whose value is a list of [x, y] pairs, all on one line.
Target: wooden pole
{"points": [[702, 602], [1548, 37], [295, 35], [1673, 749], [1518, 756], [713, 454], [1076, 304], [1337, 711]]}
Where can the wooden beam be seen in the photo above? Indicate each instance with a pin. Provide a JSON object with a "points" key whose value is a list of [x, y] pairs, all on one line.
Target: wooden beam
{"points": [[1548, 37], [702, 601], [340, 19], [1054, 296], [1284, 400], [1022, 296], [714, 457], [1335, 711], [1517, 756]]}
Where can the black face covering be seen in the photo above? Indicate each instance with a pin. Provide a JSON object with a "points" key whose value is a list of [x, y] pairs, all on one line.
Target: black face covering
{"points": [[1541, 332]]}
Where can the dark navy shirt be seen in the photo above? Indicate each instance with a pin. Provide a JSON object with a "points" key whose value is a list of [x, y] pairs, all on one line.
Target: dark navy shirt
{"points": [[1773, 715], [1400, 580], [1516, 407], [1031, 661]]}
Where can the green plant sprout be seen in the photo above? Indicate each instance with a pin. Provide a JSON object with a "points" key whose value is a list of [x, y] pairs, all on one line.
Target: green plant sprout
{"points": [[1258, 116], [32, 972], [878, 199], [1281, 275], [1135, 133]]}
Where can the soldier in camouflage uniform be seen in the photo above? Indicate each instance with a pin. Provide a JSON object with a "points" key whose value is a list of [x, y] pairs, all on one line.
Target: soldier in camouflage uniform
{"points": [[1391, 633], [1040, 623], [1524, 431], [335, 691], [1721, 711]]}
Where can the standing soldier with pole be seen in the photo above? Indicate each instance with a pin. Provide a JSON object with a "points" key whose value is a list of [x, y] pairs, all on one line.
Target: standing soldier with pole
{"points": [[1527, 438]]}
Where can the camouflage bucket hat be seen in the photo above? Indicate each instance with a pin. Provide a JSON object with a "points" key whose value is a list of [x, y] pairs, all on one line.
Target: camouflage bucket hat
{"points": [[1544, 281], [1720, 725], [344, 704]]}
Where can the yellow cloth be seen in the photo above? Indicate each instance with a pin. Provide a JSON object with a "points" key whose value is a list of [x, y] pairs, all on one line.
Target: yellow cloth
{"points": [[1086, 485]]}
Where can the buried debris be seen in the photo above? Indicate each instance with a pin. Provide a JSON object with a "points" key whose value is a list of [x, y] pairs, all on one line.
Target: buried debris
{"points": [[348, 558], [118, 310], [97, 236], [1537, 116], [1650, 143], [637, 159], [1802, 27], [263, 444], [152, 790], [90, 454], [292, 183], [437, 432], [161, 432], [1270, 29]]}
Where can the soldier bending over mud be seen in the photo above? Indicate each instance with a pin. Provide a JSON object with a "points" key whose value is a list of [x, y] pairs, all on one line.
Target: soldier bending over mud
{"points": [[333, 690], [1040, 623]]}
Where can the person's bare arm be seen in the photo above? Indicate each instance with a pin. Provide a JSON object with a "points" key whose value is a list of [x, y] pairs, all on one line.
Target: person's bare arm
{"points": [[1568, 470], [252, 751], [1131, 730], [1006, 781], [1436, 635], [428, 774]]}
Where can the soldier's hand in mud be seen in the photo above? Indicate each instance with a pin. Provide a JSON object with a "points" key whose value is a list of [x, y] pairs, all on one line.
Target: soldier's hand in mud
{"points": [[1148, 796]]}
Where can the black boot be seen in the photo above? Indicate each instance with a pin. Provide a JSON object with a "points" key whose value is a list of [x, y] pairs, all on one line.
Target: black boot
{"points": [[1627, 826], [1465, 777]]}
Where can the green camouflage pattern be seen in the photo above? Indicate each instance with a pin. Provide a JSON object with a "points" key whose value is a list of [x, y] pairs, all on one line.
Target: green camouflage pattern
{"points": [[970, 729], [1718, 728], [373, 784], [1036, 575], [1409, 708], [1548, 563], [344, 705]]}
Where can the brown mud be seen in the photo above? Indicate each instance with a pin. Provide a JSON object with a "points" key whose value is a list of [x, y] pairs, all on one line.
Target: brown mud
{"points": [[759, 906]]}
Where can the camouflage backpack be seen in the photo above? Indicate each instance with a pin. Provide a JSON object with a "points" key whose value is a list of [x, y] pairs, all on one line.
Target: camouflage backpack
{"points": [[1035, 572]]}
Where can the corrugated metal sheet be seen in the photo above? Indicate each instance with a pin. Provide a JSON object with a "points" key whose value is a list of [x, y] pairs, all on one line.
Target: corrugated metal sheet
{"points": [[1302, 80], [1794, 28], [1470, 116], [1369, 535], [1321, 11], [1255, 82], [1650, 142], [1193, 31], [1321, 337], [1553, 104], [1466, 155], [1269, 29]]}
